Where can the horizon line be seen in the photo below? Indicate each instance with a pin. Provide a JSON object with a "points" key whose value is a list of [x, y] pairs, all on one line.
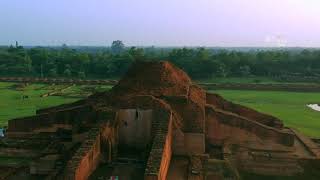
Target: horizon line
{"points": [[168, 46]]}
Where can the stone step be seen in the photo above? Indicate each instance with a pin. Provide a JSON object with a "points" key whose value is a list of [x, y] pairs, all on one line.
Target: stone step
{"points": [[272, 167], [131, 160], [266, 160], [308, 143]]}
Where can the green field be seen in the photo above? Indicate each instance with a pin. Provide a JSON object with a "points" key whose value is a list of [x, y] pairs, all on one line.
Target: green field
{"points": [[248, 80], [262, 80], [288, 106], [12, 105]]}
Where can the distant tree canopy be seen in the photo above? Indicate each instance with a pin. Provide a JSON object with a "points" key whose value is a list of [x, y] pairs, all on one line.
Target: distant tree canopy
{"points": [[113, 62], [117, 47]]}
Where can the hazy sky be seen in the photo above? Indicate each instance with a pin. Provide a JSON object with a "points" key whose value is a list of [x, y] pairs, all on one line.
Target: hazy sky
{"points": [[161, 22]]}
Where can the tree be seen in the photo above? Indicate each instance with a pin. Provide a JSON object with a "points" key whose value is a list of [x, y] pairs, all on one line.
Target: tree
{"points": [[197, 62], [52, 72], [117, 47], [202, 54], [136, 53], [81, 75], [244, 70], [39, 57], [67, 73], [222, 70]]}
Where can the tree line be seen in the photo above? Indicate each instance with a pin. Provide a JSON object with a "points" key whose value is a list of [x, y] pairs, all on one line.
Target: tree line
{"points": [[113, 61]]}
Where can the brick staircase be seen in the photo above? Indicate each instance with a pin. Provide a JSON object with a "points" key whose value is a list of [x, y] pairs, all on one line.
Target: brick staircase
{"points": [[283, 167]]}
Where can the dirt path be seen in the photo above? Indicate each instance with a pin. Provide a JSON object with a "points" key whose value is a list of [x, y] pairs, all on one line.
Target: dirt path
{"points": [[56, 91]]}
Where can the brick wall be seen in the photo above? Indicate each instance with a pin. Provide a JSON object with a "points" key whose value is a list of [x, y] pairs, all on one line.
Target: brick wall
{"points": [[161, 152], [135, 127], [188, 143], [223, 125], [86, 158], [219, 102], [49, 122]]}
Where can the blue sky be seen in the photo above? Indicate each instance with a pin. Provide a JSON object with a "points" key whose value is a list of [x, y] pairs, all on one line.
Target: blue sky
{"points": [[161, 22]]}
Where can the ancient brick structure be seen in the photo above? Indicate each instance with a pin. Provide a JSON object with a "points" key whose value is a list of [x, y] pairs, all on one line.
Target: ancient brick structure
{"points": [[155, 124]]}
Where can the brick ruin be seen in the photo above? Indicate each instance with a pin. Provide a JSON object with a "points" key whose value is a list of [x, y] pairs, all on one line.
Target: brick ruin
{"points": [[154, 124]]}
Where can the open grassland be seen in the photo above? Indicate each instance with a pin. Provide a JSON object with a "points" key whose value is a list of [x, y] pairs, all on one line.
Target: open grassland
{"points": [[250, 80], [290, 107], [12, 104], [262, 80]]}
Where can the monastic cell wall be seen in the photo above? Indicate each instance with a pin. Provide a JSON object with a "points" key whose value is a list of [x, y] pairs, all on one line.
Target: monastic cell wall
{"points": [[223, 126], [161, 152], [50, 122], [219, 102], [135, 127], [87, 157], [166, 155], [188, 143]]}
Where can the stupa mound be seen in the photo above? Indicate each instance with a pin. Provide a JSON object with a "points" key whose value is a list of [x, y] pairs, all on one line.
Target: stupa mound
{"points": [[153, 78]]}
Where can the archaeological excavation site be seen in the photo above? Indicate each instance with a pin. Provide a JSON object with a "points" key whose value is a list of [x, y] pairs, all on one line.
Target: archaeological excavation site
{"points": [[155, 124]]}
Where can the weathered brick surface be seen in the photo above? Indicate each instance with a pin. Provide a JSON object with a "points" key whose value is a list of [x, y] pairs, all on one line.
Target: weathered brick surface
{"points": [[86, 158], [161, 152], [50, 122], [225, 126], [217, 101]]}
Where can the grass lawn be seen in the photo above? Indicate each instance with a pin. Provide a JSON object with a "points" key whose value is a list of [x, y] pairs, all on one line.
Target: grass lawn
{"points": [[247, 80], [290, 107], [12, 105], [261, 80]]}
